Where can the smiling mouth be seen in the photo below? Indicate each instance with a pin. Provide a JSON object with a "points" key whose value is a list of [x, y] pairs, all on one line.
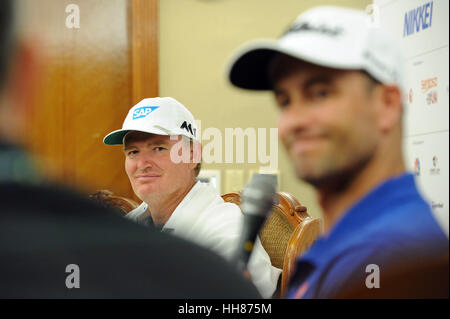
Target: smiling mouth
{"points": [[305, 144], [147, 177]]}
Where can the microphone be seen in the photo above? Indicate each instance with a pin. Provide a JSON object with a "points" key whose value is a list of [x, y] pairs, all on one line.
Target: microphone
{"points": [[256, 202]]}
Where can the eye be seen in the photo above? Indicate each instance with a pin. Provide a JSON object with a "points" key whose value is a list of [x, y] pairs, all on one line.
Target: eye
{"points": [[159, 148], [132, 153], [282, 101], [320, 92]]}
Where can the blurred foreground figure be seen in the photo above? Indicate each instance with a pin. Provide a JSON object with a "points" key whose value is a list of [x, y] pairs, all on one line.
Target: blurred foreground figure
{"points": [[56, 244], [338, 83]]}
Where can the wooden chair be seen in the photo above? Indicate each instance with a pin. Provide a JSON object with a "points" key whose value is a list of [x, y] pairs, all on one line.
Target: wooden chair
{"points": [[287, 233], [107, 199]]}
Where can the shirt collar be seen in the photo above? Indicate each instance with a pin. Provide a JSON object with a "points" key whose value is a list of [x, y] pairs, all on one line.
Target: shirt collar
{"points": [[361, 214], [140, 215], [199, 196]]}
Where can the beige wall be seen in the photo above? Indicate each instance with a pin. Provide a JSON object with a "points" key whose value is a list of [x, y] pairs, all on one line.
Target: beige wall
{"points": [[196, 40]]}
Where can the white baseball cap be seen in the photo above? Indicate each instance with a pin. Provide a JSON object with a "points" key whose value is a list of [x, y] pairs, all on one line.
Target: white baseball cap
{"points": [[159, 115], [327, 36]]}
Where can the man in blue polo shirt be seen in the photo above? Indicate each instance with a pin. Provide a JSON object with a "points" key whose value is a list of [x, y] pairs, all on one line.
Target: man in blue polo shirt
{"points": [[338, 83]]}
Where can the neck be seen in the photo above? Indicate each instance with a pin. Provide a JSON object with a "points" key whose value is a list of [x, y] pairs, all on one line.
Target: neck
{"points": [[338, 195], [162, 207]]}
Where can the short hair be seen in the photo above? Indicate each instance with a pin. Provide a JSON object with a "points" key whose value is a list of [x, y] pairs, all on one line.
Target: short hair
{"points": [[6, 38], [274, 73], [372, 82]]}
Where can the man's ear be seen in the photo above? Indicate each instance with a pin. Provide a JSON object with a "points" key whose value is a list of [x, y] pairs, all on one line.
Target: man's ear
{"points": [[196, 153], [390, 107]]}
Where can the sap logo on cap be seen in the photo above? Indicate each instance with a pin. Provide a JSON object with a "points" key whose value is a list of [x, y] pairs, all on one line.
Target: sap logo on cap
{"points": [[143, 111]]}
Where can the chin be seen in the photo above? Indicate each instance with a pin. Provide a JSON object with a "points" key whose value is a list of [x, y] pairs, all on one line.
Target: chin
{"points": [[146, 190], [311, 175], [304, 168], [307, 177]]}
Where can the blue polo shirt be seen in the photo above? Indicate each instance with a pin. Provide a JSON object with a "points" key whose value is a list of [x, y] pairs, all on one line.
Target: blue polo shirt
{"points": [[391, 224]]}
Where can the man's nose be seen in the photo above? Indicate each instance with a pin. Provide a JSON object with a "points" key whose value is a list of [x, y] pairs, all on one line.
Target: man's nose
{"points": [[144, 161]]}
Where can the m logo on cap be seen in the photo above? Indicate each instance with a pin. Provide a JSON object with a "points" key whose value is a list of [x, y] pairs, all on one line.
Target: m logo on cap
{"points": [[143, 111], [188, 127]]}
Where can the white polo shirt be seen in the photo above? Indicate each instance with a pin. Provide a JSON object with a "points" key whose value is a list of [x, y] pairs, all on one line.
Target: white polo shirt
{"points": [[205, 219]]}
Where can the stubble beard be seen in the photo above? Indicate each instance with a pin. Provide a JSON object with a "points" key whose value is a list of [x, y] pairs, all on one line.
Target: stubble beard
{"points": [[329, 174]]}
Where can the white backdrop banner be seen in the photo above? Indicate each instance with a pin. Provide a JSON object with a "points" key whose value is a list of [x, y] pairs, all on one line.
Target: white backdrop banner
{"points": [[422, 27]]}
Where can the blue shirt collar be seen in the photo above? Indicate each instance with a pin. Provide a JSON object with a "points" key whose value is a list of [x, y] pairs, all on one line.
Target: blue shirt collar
{"points": [[361, 214]]}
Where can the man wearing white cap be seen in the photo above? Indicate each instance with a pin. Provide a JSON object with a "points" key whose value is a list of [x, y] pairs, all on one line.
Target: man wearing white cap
{"points": [[338, 83], [156, 135]]}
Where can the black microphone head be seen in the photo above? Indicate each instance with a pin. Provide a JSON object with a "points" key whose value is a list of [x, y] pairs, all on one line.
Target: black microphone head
{"points": [[259, 195]]}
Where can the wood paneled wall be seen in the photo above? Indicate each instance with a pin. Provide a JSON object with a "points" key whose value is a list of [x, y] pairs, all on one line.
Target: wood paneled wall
{"points": [[92, 76]]}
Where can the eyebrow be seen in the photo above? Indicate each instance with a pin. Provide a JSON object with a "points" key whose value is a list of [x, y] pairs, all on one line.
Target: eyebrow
{"points": [[128, 147], [158, 141], [319, 79], [314, 80]]}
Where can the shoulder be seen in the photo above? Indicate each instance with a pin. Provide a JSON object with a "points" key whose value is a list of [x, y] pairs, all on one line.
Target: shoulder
{"points": [[214, 207], [398, 272], [47, 198], [389, 244], [52, 225], [379, 250], [408, 227], [223, 215], [137, 212], [214, 224]]}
